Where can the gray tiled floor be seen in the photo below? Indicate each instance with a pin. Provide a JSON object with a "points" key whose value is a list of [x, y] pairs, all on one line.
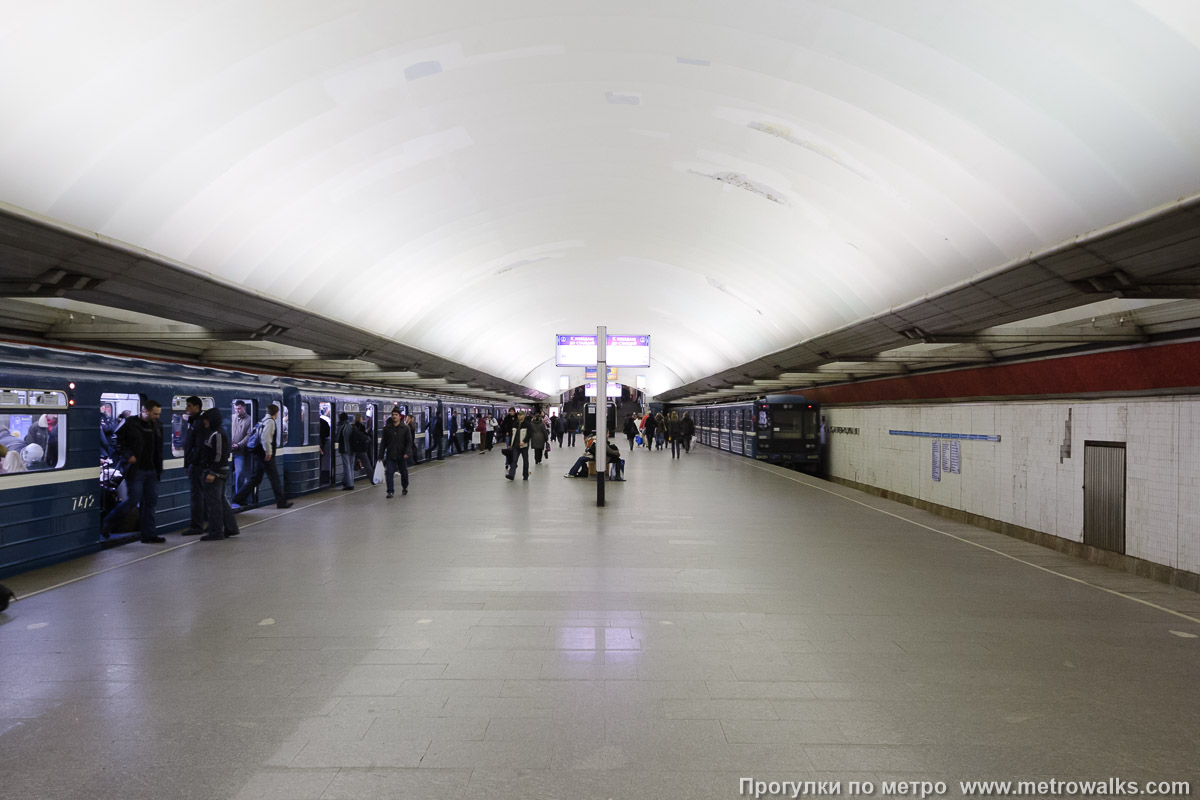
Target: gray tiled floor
{"points": [[720, 619]]}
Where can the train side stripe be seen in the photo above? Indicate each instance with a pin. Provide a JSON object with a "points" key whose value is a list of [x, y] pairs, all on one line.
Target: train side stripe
{"points": [[23, 480]]}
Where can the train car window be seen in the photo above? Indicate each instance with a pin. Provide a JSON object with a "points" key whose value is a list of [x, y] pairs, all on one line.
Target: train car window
{"points": [[33, 430], [304, 421], [179, 420]]}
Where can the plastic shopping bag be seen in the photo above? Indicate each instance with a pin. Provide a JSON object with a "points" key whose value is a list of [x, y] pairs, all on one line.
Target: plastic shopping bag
{"points": [[377, 478]]}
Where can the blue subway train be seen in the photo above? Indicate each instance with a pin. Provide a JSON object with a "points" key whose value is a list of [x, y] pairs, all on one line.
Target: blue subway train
{"points": [[779, 428], [58, 409]]}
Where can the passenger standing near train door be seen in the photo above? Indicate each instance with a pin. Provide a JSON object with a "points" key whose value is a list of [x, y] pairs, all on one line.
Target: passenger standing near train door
{"points": [[396, 448], [363, 433], [411, 421], [239, 433], [264, 461], [212, 462], [345, 447], [141, 444], [193, 442]]}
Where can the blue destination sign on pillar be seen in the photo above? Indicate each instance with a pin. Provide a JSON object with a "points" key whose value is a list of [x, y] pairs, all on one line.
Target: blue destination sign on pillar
{"points": [[622, 350]]}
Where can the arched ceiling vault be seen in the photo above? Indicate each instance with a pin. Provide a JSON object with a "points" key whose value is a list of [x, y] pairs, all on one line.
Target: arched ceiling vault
{"points": [[470, 178]]}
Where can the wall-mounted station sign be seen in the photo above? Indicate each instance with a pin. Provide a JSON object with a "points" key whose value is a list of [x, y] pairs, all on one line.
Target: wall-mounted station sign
{"points": [[621, 350]]}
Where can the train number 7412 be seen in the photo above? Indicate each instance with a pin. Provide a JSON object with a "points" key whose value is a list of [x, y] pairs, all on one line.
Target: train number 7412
{"points": [[82, 502]]}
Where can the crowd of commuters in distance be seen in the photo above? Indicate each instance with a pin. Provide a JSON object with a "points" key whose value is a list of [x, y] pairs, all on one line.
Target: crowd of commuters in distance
{"points": [[246, 453], [652, 431]]}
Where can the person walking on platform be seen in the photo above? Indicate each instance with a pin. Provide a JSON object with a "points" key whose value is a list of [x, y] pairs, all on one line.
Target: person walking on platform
{"points": [[631, 430], [345, 446], [538, 437], [433, 437], [395, 449], [556, 429], [264, 451], [492, 425], [505, 432], [239, 432], [689, 430], [650, 431], [141, 445], [193, 443], [518, 447], [481, 430], [212, 462], [660, 430], [675, 434]]}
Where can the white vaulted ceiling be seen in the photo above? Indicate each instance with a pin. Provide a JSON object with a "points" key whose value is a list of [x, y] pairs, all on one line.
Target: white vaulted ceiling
{"points": [[471, 178]]}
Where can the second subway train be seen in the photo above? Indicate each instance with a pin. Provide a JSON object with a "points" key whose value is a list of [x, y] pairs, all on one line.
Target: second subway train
{"points": [[780, 429]]}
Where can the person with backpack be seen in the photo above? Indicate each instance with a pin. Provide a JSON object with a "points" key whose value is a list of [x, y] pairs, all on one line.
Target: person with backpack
{"points": [[262, 445]]}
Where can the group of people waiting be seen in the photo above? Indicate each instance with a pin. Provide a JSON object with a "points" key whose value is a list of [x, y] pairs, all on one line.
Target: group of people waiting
{"points": [[658, 429], [208, 453]]}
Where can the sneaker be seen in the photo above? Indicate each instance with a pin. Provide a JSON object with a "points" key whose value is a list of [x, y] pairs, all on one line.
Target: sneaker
{"points": [[212, 537], [286, 505], [390, 495], [228, 534], [525, 478], [508, 477], [347, 488], [568, 475], [190, 532], [152, 540], [404, 491]]}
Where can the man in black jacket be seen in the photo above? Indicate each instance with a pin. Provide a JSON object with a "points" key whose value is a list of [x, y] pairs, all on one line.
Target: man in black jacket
{"points": [[395, 448], [212, 463], [193, 443], [141, 444]]}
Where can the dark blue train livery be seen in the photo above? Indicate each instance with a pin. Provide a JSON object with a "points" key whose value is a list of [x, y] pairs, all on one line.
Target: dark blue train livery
{"points": [[779, 428], [58, 409]]}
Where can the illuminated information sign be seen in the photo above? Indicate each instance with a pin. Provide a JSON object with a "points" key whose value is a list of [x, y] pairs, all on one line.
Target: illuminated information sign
{"points": [[621, 350]]}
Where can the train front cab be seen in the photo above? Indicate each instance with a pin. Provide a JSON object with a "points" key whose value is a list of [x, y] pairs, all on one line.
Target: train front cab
{"points": [[788, 431]]}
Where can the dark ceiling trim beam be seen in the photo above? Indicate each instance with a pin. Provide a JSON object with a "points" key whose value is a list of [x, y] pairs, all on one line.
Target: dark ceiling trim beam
{"points": [[1011, 336]]}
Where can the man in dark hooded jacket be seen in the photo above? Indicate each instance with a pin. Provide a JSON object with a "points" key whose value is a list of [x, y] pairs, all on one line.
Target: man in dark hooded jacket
{"points": [[212, 467]]}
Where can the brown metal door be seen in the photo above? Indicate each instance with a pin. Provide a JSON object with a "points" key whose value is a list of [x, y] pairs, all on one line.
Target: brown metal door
{"points": [[1104, 495]]}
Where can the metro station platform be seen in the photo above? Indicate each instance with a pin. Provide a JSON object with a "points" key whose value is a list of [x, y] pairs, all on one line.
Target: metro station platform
{"points": [[719, 620]]}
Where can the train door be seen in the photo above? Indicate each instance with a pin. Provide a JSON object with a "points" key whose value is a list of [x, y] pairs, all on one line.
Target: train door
{"points": [[243, 418], [372, 434], [325, 410]]}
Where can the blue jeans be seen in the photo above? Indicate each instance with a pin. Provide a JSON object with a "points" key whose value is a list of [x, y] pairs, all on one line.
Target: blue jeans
{"points": [[348, 470], [143, 494], [239, 472], [389, 470]]}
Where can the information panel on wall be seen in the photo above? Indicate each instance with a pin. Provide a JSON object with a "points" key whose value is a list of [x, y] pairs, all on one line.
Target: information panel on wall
{"points": [[622, 350]]}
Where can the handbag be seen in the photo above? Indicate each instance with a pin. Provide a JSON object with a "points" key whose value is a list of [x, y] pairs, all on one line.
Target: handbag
{"points": [[377, 477], [638, 439]]}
